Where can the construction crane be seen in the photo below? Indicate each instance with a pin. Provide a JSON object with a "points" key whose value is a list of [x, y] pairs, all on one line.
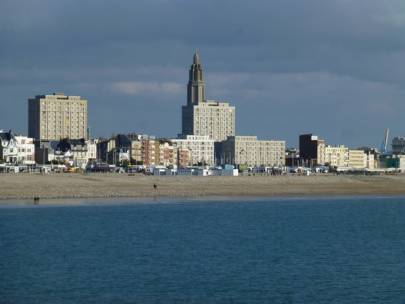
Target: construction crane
{"points": [[384, 144]]}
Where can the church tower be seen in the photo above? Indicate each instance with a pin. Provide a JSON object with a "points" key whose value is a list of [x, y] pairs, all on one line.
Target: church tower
{"points": [[196, 86], [202, 117]]}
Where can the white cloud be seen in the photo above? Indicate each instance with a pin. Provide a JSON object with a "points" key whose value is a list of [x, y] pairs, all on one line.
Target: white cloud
{"points": [[133, 88]]}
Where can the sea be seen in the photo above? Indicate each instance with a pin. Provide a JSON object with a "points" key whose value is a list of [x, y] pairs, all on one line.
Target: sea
{"points": [[279, 250]]}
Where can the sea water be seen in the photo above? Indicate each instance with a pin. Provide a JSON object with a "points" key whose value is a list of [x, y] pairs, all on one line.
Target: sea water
{"points": [[214, 251]]}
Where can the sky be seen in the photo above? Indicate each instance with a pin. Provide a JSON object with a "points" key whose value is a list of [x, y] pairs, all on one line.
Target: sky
{"points": [[334, 68]]}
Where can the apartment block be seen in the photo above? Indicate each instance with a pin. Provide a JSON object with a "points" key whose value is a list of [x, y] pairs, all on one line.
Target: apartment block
{"points": [[312, 149], [57, 116], [398, 145], [357, 159], [201, 149], [249, 151], [337, 156]]}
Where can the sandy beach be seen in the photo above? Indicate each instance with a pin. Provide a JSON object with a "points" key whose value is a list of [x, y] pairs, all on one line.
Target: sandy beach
{"points": [[59, 186]]}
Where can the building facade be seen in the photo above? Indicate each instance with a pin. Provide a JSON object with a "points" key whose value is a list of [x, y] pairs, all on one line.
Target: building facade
{"points": [[105, 150], [249, 151], [203, 117], [57, 116], [144, 149], [357, 159], [165, 155], [72, 152], [16, 149], [201, 149], [312, 149], [91, 149], [337, 156], [182, 157], [398, 145]]}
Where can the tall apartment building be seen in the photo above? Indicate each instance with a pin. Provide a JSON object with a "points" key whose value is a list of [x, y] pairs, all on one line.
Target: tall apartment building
{"points": [[201, 148], [312, 149], [203, 117], [249, 151], [57, 116]]}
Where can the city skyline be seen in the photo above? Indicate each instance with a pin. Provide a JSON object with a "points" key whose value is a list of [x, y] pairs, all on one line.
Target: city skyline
{"points": [[340, 77]]}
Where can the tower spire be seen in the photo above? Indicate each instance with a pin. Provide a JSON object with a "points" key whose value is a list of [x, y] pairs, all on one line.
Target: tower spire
{"points": [[196, 59], [196, 85]]}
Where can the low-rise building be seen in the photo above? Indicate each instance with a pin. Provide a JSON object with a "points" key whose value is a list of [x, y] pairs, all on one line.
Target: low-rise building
{"points": [[8, 148], [16, 149], [72, 152], [165, 155], [182, 157], [106, 150], [392, 161], [337, 156], [357, 159], [201, 149], [398, 145], [249, 151], [91, 149], [144, 149]]}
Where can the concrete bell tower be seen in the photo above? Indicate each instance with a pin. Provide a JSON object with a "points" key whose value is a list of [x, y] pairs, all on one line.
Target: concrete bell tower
{"points": [[196, 85]]}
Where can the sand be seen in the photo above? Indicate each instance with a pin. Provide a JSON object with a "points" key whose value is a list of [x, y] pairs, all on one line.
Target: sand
{"points": [[63, 186]]}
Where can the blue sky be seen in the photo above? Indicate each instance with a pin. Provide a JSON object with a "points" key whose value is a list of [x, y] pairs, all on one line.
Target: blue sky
{"points": [[335, 68]]}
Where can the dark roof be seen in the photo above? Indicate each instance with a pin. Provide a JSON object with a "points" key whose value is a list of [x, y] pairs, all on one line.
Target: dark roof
{"points": [[66, 144], [122, 140], [6, 136]]}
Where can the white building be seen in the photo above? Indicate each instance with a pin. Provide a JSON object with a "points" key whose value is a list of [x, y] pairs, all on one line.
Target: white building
{"points": [[26, 150], [72, 152], [371, 161], [249, 151], [8, 148], [201, 148], [357, 159], [16, 149], [91, 149], [337, 156]]}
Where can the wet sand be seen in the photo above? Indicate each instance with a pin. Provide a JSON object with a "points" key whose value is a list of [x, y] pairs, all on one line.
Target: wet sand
{"points": [[74, 186]]}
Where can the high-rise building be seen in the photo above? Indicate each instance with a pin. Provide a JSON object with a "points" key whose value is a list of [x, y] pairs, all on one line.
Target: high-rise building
{"points": [[204, 117], [57, 116], [312, 149]]}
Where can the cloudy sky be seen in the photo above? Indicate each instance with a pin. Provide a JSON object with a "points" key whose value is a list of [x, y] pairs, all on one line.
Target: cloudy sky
{"points": [[335, 68]]}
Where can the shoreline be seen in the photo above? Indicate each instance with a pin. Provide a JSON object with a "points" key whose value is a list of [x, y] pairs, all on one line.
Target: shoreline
{"points": [[60, 202], [24, 187]]}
